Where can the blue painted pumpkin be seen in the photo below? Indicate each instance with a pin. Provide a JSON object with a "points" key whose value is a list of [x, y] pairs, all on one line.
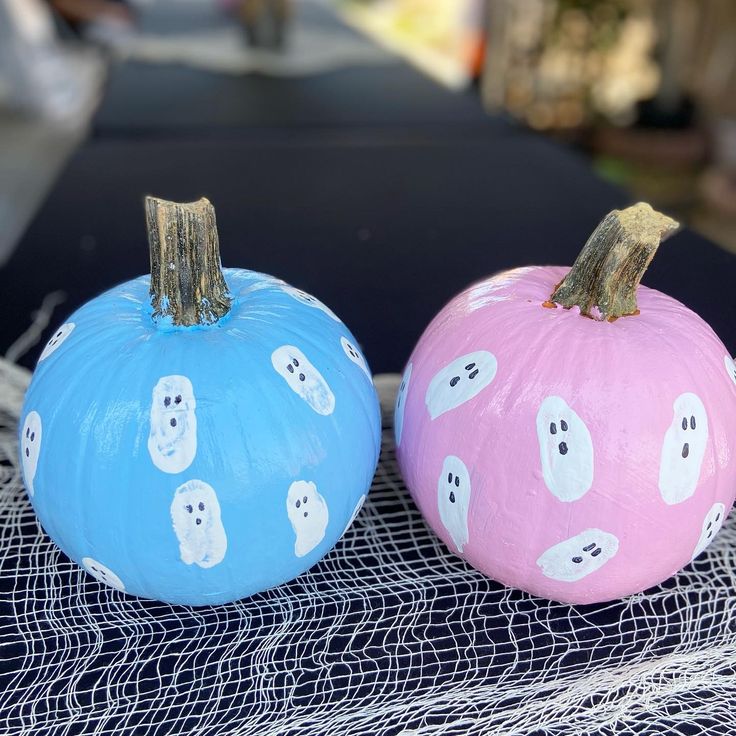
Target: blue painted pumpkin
{"points": [[200, 464]]}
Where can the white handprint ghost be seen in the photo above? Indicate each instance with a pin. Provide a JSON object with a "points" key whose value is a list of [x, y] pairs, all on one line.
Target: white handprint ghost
{"points": [[30, 448], [578, 556], [308, 513], [104, 574], [172, 441], [56, 340], [459, 381], [303, 378], [401, 404], [195, 513], [309, 300], [453, 499], [712, 522], [565, 448], [683, 449]]}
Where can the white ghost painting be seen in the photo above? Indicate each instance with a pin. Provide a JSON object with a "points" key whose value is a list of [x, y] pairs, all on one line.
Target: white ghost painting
{"points": [[683, 449], [578, 556], [172, 441], [459, 381], [565, 449], [195, 514], [30, 448], [309, 300], [303, 378], [453, 499], [355, 356], [730, 367], [354, 515], [308, 513], [401, 404], [712, 522], [56, 340], [104, 574]]}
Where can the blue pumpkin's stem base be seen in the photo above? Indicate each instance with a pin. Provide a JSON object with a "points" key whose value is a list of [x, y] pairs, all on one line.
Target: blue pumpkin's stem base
{"points": [[187, 285]]}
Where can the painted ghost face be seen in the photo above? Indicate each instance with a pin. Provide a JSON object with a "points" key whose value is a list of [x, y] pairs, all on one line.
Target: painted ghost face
{"points": [[303, 378], [683, 449], [401, 404], [711, 524], [356, 356], [104, 574], [579, 556], [56, 339], [356, 511], [30, 448], [565, 448], [453, 498], [309, 300], [172, 441], [730, 367], [460, 381], [195, 513], [308, 514]]}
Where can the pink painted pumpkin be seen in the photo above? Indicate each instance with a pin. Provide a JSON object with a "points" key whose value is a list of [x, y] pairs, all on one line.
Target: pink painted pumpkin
{"points": [[579, 458]]}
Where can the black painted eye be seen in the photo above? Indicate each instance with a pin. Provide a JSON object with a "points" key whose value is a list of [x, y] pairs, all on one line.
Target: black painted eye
{"points": [[710, 524], [685, 450], [473, 374], [718, 516], [302, 377], [577, 560], [296, 363], [589, 547], [28, 431], [402, 387], [552, 428], [470, 366], [596, 552], [457, 481], [33, 436], [684, 422], [167, 401], [198, 521], [298, 504], [58, 334], [452, 496], [200, 506], [177, 400], [290, 368], [172, 422], [692, 422], [454, 381], [562, 447], [304, 499], [449, 477], [563, 425], [189, 508]]}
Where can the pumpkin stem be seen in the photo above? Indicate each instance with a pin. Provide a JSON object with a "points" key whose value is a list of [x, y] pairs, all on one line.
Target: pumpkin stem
{"points": [[187, 284], [607, 272]]}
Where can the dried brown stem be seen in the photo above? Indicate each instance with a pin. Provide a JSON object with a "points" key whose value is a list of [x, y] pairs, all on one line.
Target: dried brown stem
{"points": [[187, 285], [609, 268]]}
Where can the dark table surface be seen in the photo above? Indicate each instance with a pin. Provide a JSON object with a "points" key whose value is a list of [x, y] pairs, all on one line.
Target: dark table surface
{"points": [[383, 228]]}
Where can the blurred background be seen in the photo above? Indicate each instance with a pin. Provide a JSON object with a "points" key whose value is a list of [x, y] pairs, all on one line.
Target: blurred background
{"points": [[141, 94]]}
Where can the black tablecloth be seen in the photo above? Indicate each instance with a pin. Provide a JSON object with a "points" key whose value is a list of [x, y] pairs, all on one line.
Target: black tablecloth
{"points": [[384, 229]]}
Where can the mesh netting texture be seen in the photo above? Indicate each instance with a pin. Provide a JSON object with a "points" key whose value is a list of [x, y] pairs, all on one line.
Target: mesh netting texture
{"points": [[389, 634]]}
